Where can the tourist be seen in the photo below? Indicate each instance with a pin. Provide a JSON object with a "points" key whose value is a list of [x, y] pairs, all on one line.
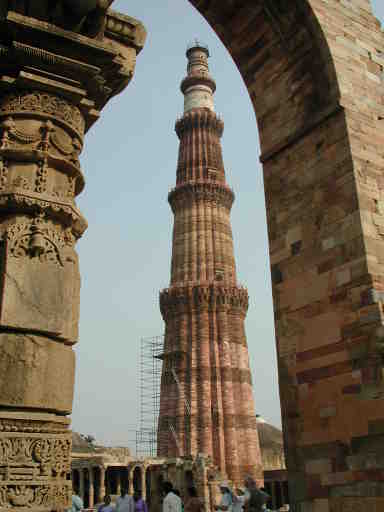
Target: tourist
{"points": [[77, 502], [226, 497], [257, 498], [171, 502], [125, 502], [177, 492], [267, 498], [140, 505], [194, 503], [106, 506], [238, 500]]}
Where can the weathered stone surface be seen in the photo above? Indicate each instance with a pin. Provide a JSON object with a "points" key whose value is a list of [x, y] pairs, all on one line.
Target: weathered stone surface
{"points": [[85, 16], [35, 459], [314, 72], [36, 373], [39, 291]]}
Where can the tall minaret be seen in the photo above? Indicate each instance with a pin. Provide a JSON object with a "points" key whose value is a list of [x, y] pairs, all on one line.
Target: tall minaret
{"points": [[206, 401]]}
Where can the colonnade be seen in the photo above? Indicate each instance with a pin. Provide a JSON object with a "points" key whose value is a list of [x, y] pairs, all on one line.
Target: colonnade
{"points": [[93, 482], [278, 490]]}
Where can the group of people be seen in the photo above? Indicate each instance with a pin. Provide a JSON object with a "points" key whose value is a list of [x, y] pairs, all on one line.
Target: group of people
{"points": [[124, 503], [249, 499]]}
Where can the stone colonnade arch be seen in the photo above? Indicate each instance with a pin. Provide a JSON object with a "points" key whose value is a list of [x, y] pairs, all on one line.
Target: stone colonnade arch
{"points": [[314, 69]]}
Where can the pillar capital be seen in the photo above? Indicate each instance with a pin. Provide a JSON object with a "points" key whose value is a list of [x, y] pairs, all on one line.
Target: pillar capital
{"points": [[86, 71]]}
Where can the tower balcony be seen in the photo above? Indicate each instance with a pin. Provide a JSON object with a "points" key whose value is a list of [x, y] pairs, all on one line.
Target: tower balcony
{"points": [[198, 78], [212, 296], [196, 191], [202, 118]]}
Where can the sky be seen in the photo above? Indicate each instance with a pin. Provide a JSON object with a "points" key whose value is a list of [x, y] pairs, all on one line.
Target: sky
{"points": [[129, 163]]}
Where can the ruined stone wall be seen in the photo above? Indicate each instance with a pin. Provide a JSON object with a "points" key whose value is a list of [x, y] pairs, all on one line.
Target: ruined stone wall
{"points": [[314, 73]]}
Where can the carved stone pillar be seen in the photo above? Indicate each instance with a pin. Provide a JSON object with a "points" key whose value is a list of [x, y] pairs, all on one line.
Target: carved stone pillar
{"points": [[143, 483], [53, 85], [107, 481], [281, 491], [81, 483], [118, 482], [130, 482], [91, 487], [102, 483], [273, 495]]}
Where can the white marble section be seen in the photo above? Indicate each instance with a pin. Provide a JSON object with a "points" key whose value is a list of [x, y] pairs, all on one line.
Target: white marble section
{"points": [[199, 96]]}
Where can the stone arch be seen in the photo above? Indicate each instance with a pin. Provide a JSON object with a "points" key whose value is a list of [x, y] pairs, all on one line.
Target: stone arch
{"points": [[313, 70], [137, 476], [98, 484], [284, 39], [189, 479], [147, 491], [87, 478], [76, 479]]}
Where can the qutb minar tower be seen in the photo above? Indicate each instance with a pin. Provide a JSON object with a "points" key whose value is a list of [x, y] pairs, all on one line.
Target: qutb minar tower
{"points": [[206, 401]]}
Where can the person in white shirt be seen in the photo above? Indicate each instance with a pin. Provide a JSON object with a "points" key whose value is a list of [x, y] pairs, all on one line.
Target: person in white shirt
{"points": [[125, 502], [226, 498], [77, 502], [239, 499], [171, 502]]}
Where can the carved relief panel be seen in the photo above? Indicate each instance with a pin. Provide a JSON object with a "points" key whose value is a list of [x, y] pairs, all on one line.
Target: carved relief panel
{"points": [[40, 280], [41, 137], [34, 464], [41, 140]]}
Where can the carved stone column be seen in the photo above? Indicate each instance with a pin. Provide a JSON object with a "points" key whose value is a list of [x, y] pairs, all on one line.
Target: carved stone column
{"points": [[53, 85], [130, 482], [273, 495], [91, 487], [102, 483], [118, 482], [81, 483], [143, 483]]}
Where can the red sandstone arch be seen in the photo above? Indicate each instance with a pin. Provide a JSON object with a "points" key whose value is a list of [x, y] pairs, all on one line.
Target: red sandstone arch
{"points": [[313, 69]]}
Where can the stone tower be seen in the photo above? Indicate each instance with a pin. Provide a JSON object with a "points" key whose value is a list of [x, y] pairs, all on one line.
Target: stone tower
{"points": [[206, 403]]}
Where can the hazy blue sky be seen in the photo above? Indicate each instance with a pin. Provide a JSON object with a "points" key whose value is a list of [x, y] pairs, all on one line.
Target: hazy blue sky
{"points": [[130, 165]]}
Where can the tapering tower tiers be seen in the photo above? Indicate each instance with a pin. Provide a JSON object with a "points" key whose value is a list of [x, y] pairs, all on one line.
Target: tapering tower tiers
{"points": [[206, 403], [198, 86]]}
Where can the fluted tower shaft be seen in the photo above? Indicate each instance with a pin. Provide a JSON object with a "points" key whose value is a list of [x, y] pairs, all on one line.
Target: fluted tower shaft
{"points": [[206, 403]]}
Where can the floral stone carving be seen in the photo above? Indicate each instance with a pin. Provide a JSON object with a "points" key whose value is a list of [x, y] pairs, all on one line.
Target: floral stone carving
{"points": [[41, 282], [34, 463]]}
